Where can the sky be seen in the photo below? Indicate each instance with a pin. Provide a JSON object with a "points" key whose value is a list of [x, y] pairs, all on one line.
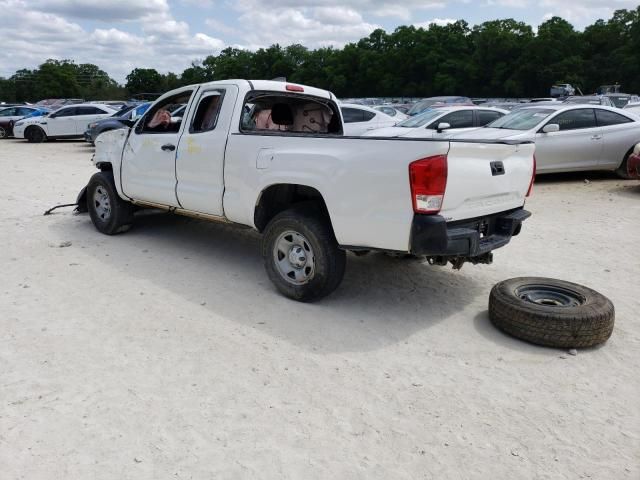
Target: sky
{"points": [[119, 35]]}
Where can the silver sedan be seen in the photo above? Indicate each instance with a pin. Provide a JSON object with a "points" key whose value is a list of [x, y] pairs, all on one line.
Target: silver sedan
{"points": [[569, 137]]}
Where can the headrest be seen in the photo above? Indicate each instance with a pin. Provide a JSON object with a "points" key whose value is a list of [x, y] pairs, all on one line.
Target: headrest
{"points": [[281, 114]]}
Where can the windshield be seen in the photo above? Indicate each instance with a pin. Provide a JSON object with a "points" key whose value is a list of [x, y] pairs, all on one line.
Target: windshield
{"points": [[123, 111], [420, 120], [423, 105], [524, 119]]}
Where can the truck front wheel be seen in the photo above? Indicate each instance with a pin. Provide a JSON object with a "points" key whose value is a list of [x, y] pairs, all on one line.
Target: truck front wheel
{"points": [[301, 255], [109, 213]]}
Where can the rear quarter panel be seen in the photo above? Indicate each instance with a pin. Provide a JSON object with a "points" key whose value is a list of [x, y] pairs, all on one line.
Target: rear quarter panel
{"points": [[364, 182]]}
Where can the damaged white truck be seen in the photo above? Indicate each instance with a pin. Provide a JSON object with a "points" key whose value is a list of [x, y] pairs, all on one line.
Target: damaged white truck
{"points": [[272, 156]]}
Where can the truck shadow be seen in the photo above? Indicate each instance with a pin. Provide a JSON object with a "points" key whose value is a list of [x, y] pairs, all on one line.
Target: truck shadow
{"points": [[381, 301]]}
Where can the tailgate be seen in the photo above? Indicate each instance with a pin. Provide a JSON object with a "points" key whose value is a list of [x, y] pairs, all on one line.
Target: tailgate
{"points": [[486, 178]]}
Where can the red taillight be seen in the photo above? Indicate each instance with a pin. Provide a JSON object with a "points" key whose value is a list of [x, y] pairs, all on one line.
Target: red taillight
{"points": [[428, 179], [294, 88], [533, 177]]}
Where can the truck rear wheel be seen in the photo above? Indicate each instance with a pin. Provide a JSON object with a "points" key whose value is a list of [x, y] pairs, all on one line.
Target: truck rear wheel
{"points": [[301, 255], [109, 213]]}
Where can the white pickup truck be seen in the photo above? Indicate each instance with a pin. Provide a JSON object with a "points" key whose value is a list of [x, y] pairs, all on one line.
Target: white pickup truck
{"points": [[272, 156]]}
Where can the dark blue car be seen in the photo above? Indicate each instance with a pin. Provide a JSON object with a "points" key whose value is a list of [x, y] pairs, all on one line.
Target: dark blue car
{"points": [[117, 120]]}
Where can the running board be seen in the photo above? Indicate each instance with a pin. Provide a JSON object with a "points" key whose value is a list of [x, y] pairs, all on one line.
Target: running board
{"points": [[182, 211]]}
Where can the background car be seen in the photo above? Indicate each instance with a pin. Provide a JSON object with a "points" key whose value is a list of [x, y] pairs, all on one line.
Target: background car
{"points": [[569, 137], [10, 115], [67, 122], [633, 108], [590, 100], [621, 100], [359, 119], [392, 112], [422, 105], [436, 121], [115, 121], [633, 163]]}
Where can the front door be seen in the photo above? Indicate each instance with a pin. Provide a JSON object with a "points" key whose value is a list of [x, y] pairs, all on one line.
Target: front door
{"points": [[200, 160], [62, 122], [149, 156], [577, 146]]}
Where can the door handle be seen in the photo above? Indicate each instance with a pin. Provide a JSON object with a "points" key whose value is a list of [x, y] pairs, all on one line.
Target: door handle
{"points": [[596, 137], [167, 147]]}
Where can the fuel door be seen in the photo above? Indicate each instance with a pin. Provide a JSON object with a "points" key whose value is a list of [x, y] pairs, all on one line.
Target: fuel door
{"points": [[264, 159]]}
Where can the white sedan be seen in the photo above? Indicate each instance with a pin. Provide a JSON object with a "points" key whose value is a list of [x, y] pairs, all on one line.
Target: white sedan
{"points": [[569, 137], [69, 121], [359, 119], [441, 121]]}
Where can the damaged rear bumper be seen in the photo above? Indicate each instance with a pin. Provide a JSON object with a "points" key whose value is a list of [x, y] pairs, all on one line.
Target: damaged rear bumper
{"points": [[432, 236]]}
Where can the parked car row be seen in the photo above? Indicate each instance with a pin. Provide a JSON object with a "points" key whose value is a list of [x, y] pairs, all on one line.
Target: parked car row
{"points": [[579, 133]]}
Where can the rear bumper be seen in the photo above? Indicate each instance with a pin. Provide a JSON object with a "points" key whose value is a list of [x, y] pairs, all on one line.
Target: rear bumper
{"points": [[431, 235], [633, 166]]}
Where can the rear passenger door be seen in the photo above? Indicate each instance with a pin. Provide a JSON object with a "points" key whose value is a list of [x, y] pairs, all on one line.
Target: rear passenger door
{"points": [[87, 115], [200, 159], [619, 134]]}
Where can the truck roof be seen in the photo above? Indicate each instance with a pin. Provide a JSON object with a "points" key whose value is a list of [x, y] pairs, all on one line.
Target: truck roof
{"points": [[275, 86]]}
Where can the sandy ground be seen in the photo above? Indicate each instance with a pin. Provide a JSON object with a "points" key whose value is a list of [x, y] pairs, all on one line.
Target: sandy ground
{"points": [[165, 353]]}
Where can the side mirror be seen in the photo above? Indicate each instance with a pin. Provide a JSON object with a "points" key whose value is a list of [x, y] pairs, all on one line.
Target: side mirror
{"points": [[551, 127], [442, 126], [129, 123]]}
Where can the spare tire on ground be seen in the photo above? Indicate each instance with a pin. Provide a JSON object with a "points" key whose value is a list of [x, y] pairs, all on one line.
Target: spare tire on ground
{"points": [[551, 312]]}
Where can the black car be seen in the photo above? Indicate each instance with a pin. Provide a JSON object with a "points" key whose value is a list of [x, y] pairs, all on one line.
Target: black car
{"points": [[120, 119]]}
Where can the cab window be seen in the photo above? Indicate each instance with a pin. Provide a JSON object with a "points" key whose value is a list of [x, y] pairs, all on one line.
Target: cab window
{"points": [[166, 115], [266, 112], [575, 119], [8, 112], [207, 112]]}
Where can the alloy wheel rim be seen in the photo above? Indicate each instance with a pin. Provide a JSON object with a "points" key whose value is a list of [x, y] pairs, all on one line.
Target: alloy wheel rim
{"points": [[294, 258]]}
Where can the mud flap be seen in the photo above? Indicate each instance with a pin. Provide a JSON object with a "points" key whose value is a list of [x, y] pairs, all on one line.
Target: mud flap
{"points": [[81, 201]]}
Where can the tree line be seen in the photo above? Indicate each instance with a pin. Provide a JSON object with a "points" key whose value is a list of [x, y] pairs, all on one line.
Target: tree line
{"points": [[499, 58]]}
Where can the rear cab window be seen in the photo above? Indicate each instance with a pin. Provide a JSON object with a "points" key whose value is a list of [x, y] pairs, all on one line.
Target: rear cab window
{"points": [[283, 113]]}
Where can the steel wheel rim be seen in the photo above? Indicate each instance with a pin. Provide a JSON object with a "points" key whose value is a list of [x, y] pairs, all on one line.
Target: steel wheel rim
{"points": [[294, 258], [550, 295], [102, 203]]}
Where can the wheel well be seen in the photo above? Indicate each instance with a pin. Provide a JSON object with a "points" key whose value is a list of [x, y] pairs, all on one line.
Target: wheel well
{"points": [[281, 197]]}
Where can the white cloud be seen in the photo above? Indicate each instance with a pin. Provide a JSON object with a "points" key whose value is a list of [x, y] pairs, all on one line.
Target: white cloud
{"points": [[31, 37], [104, 11], [441, 22]]}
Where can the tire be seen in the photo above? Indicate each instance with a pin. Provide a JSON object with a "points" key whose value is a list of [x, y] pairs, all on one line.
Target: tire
{"points": [[301, 255], [551, 312], [109, 213], [622, 171], [3, 133], [35, 135]]}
